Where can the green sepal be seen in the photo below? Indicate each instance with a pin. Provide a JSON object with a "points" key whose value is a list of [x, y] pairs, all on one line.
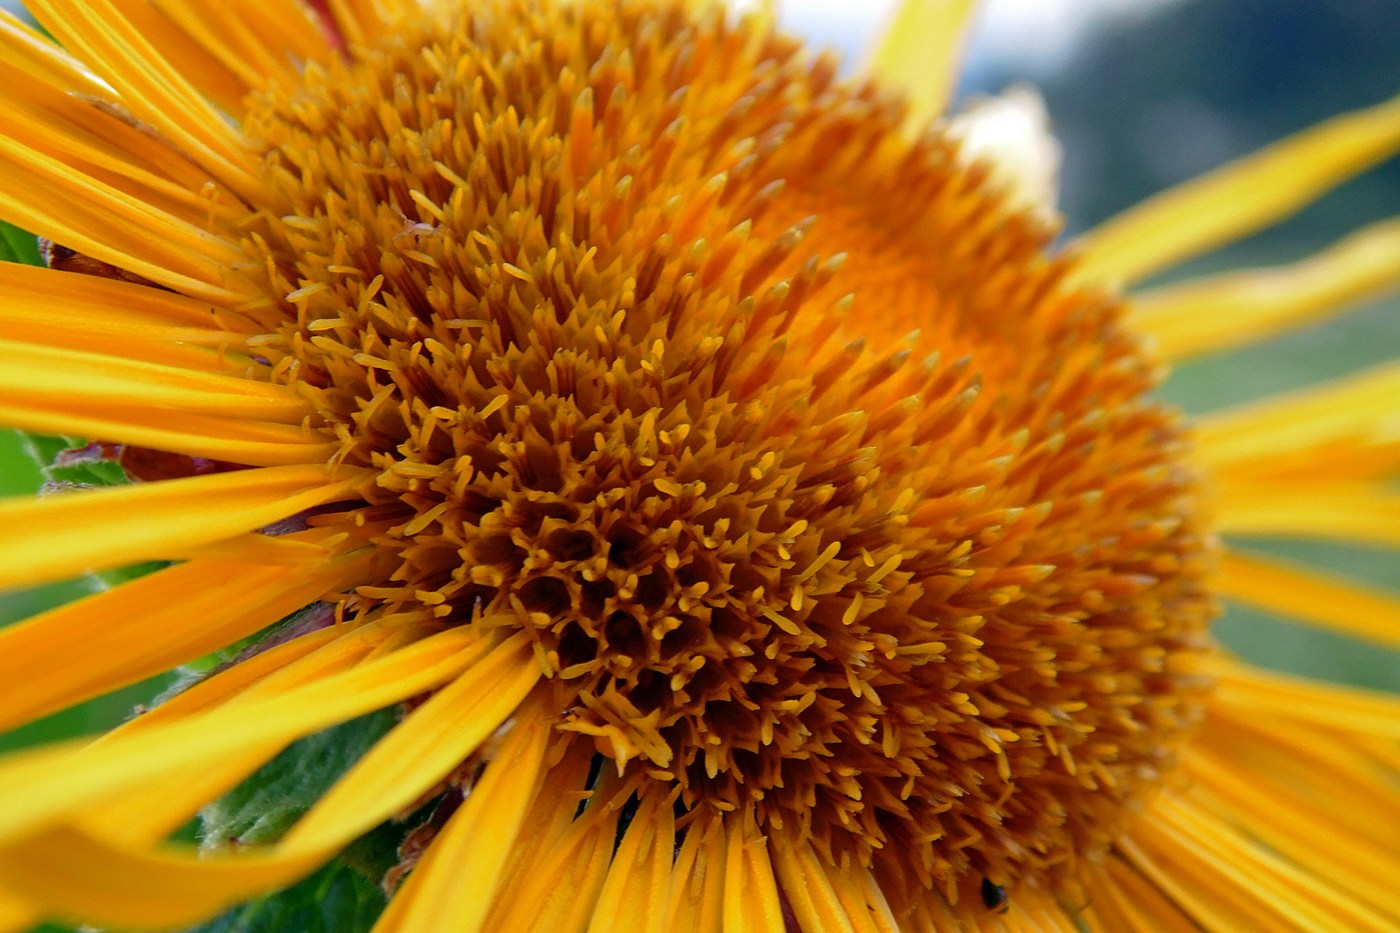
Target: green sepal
{"points": [[336, 899]]}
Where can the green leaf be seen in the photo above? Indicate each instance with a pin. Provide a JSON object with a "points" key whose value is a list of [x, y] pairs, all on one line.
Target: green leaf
{"points": [[344, 897], [336, 899], [265, 805], [18, 246]]}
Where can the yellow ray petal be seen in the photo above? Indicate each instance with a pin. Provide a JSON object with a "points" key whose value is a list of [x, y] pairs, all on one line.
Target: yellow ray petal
{"points": [[850, 903], [751, 900], [1257, 436], [58, 783], [1121, 900], [253, 39], [201, 65], [1223, 865], [251, 675], [162, 344], [37, 293], [870, 912], [253, 443], [637, 888], [145, 816], [64, 535], [550, 817], [154, 89], [1236, 308], [919, 55], [435, 738], [301, 548], [1217, 907], [1240, 198], [96, 141], [1351, 512], [1325, 766], [42, 60], [697, 886], [66, 110], [17, 914], [1348, 710], [79, 878], [475, 842], [1300, 593], [148, 626], [1232, 796], [356, 19], [80, 381], [45, 195], [132, 375], [1040, 914], [557, 894]]}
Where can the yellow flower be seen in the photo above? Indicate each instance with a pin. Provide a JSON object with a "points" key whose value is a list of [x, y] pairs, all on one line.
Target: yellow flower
{"points": [[768, 529]]}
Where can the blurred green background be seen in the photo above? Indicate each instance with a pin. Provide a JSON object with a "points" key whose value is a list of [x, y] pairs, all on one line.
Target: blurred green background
{"points": [[1141, 101]]}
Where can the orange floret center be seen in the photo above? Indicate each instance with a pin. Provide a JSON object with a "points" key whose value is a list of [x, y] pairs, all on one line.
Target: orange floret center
{"points": [[820, 492]]}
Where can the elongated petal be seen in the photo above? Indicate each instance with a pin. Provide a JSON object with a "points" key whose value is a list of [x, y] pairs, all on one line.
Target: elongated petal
{"points": [[635, 893], [1308, 596], [475, 842], [64, 535], [56, 784], [550, 819], [1232, 882], [93, 381], [1122, 900], [145, 816], [355, 20], [1240, 198], [1350, 861], [34, 293], [1236, 308], [697, 885], [1259, 436], [751, 902], [44, 60], [210, 75], [1352, 513], [148, 626], [1322, 767], [253, 39], [434, 739], [153, 88], [252, 443], [93, 138], [80, 878], [1347, 709], [814, 901], [42, 194], [919, 55], [558, 893]]}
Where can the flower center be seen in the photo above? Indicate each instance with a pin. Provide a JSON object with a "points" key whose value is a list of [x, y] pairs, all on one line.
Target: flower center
{"points": [[818, 490]]}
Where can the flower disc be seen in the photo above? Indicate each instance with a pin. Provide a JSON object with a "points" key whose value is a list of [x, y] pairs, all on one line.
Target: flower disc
{"points": [[819, 491]]}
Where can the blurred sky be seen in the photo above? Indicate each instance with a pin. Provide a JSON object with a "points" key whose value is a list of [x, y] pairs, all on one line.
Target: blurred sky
{"points": [[1038, 34]]}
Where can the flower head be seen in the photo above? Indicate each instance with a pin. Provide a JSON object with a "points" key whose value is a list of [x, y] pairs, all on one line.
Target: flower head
{"points": [[760, 522]]}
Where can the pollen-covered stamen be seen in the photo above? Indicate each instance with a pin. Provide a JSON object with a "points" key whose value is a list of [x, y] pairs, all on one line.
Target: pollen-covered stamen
{"points": [[818, 493]]}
